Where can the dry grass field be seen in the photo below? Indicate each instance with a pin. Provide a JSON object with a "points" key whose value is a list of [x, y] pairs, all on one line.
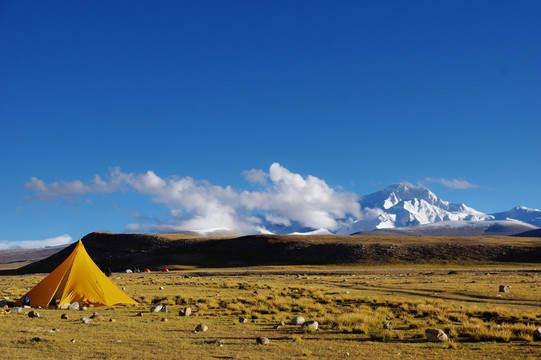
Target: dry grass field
{"points": [[351, 305]]}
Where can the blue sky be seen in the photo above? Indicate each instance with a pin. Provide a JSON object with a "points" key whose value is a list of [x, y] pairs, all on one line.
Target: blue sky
{"points": [[346, 97]]}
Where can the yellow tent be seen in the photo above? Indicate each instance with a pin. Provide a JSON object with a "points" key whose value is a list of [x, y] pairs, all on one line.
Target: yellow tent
{"points": [[79, 279]]}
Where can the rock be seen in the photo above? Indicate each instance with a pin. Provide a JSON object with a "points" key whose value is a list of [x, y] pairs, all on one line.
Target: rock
{"points": [[435, 335], [310, 325], [242, 319], [54, 330], [64, 306], [261, 340], [504, 288], [156, 308], [33, 314], [37, 338], [112, 320], [537, 334], [282, 323], [299, 320], [17, 309], [139, 314], [96, 317], [73, 306], [164, 319], [83, 308], [95, 313], [186, 312], [86, 320], [64, 316], [72, 340], [164, 308], [201, 327]]}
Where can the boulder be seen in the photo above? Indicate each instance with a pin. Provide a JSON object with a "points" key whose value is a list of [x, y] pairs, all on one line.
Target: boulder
{"points": [[504, 288], [73, 306], [537, 334], [435, 335], [201, 328], [261, 340], [186, 312], [310, 325], [86, 320], [298, 320], [33, 314], [156, 308]]}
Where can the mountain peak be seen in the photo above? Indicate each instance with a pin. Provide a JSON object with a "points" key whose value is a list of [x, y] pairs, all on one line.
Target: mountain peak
{"points": [[405, 204], [522, 213]]}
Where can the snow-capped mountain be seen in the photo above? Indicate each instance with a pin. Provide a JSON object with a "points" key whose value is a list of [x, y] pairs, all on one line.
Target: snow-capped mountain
{"points": [[405, 204], [411, 209], [530, 216]]}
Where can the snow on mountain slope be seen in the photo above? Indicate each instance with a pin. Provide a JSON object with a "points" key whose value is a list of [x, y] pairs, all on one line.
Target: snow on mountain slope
{"points": [[530, 216], [459, 228], [315, 232], [405, 204]]}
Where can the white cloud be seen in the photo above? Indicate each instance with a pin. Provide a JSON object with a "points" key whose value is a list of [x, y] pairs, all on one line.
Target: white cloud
{"points": [[452, 183], [199, 204], [35, 244], [255, 176]]}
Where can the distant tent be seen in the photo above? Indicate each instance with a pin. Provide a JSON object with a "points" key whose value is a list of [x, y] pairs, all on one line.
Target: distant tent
{"points": [[165, 269], [147, 270], [79, 279]]}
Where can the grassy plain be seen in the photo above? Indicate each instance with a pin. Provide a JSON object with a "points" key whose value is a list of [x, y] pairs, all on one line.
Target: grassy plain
{"points": [[351, 305]]}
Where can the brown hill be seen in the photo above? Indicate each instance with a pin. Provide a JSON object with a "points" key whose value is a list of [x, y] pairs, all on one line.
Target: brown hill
{"points": [[121, 251]]}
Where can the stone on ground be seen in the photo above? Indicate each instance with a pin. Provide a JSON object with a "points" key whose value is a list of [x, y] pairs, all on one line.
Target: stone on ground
{"points": [[201, 328], [435, 335], [261, 340], [298, 320], [310, 325]]}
